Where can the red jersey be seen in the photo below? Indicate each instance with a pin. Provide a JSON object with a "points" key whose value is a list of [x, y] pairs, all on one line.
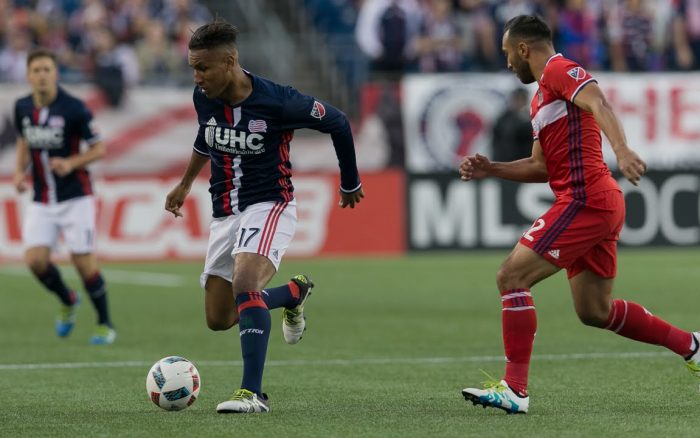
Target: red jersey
{"points": [[570, 136]]}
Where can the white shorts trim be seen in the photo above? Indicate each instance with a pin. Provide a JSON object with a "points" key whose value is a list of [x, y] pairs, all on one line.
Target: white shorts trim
{"points": [[73, 219], [266, 228]]}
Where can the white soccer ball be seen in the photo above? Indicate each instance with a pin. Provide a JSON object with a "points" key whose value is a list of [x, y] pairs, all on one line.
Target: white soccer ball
{"points": [[173, 383]]}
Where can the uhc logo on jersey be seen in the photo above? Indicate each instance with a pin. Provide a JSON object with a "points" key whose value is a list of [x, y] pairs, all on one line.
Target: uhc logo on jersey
{"points": [[577, 73], [318, 111], [42, 137], [233, 141]]}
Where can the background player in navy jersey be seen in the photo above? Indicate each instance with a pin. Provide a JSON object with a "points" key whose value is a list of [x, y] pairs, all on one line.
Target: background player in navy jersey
{"points": [[52, 125], [579, 232], [246, 124]]}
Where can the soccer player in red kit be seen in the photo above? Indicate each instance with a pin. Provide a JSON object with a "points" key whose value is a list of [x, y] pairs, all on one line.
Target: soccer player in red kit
{"points": [[579, 232]]}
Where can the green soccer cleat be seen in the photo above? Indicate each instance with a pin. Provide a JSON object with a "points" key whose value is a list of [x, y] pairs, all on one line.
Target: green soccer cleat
{"points": [[65, 321], [244, 402], [693, 363], [104, 335], [497, 395], [293, 320]]}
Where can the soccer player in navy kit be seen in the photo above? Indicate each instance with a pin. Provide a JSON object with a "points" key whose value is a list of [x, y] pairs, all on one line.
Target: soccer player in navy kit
{"points": [[52, 125], [246, 124]]}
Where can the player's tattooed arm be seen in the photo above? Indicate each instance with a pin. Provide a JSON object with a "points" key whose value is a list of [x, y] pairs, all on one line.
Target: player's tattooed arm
{"points": [[592, 99]]}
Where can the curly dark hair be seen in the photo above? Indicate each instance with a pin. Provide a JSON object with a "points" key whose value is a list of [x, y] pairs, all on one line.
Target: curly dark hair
{"points": [[214, 34]]}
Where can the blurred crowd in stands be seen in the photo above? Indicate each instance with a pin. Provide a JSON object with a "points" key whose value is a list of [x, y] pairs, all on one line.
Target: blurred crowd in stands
{"points": [[465, 35], [116, 43]]}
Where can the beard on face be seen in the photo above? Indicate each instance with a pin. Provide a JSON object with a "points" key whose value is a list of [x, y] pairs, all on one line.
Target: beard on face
{"points": [[523, 72]]}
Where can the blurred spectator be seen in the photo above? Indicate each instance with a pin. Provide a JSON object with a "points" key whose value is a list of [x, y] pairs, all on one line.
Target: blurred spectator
{"points": [[577, 34], [685, 52], [177, 13], [439, 43], [512, 131], [481, 50], [631, 33], [158, 57], [13, 57], [115, 66], [384, 31]]}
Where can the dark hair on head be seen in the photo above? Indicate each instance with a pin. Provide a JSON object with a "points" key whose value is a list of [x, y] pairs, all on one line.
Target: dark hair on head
{"points": [[214, 34], [41, 53], [528, 27]]}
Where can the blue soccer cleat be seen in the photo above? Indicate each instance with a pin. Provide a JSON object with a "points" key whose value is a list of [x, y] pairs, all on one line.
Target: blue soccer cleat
{"points": [[65, 321], [104, 335], [497, 395]]}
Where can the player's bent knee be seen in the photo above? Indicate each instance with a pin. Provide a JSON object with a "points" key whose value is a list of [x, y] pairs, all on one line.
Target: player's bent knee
{"points": [[218, 324], [508, 279], [592, 319], [38, 266]]}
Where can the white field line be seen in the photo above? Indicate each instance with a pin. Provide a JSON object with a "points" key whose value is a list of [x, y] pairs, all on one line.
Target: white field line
{"points": [[340, 362], [112, 276]]}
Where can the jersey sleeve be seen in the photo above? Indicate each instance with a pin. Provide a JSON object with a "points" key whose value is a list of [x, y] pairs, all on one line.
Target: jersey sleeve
{"points": [[87, 130], [302, 111], [18, 120], [200, 143], [566, 79]]}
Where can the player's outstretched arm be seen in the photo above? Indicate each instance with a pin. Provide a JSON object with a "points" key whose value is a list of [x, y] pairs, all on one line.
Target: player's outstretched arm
{"points": [[22, 162], [177, 195], [531, 169], [592, 99]]}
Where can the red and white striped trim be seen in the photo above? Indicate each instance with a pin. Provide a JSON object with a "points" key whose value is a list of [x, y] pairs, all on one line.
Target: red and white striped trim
{"points": [[515, 295], [518, 309], [548, 114], [270, 228]]}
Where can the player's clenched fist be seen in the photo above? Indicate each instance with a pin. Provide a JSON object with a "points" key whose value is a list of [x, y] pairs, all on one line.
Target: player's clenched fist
{"points": [[175, 199], [474, 167]]}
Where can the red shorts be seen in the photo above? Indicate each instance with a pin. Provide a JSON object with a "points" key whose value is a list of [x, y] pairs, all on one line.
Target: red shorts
{"points": [[580, 236]]}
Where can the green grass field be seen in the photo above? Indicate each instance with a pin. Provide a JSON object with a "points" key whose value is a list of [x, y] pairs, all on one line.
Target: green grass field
{"points": [[389, 346]]}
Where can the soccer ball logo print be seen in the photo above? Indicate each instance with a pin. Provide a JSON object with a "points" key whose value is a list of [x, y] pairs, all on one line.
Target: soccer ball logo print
{"points": [[318, 110], [173, 383]]}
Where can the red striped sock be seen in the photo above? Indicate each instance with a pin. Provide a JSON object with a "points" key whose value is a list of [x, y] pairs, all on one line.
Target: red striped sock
{"points": [[519, 321], [633, 321]]}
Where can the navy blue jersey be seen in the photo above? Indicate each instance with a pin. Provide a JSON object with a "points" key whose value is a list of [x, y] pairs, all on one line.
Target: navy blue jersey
{"points": [[248, 144], [55, 131]]}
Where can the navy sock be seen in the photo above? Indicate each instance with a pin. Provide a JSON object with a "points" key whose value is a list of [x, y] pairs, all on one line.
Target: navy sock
{"points": [[254, 332], [95, 287], [281, 296], [51, 279]]}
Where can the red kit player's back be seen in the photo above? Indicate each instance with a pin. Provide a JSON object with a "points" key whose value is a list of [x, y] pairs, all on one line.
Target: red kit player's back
{"points": [[569, 136]]}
